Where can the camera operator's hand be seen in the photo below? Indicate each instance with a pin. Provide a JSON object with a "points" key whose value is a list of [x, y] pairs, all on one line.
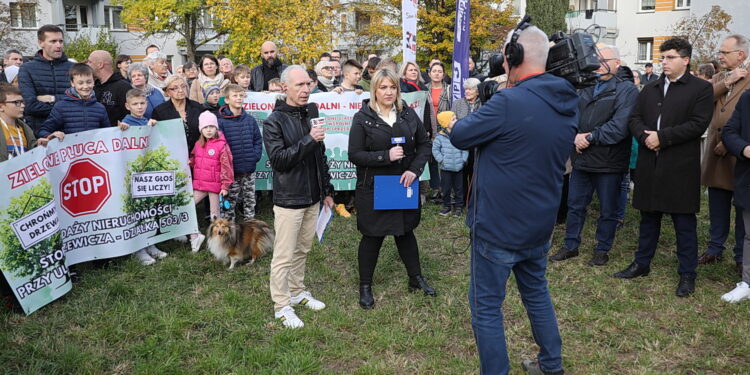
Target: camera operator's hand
{"points": [[396, 153], [746, 152], [652, 140], [581, 142]]}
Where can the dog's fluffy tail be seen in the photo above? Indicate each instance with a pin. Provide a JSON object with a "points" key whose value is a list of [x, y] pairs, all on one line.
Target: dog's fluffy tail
{"points": [[266, 243]]}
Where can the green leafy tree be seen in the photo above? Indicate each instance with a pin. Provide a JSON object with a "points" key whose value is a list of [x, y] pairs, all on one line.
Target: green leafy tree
{"points": [[548, 15], [193, 20], [704, 32], [9, 38], [81, 46], [155, 161], [13, 258]]}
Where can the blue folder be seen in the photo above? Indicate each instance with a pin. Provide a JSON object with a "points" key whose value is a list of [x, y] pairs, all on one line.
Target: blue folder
{"points": [[392, 195]]}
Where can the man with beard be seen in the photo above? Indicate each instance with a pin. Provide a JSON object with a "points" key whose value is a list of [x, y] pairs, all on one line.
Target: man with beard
{"points": [[270, 68]]}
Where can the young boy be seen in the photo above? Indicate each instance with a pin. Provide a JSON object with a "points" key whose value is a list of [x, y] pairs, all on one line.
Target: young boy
{"points": [[135, 102], [274, 86], [16, 137], [451, 161], [78, 111], [211, 94], [352, 75], [242, 76], [245, 142]]}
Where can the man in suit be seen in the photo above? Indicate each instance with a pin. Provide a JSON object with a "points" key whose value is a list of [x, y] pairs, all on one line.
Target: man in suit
{"points": [[649, 76], [717, 167], [668, 121]]}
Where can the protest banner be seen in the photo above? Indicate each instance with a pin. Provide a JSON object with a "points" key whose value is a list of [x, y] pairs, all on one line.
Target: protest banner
{"points": [[338, 110], [97, 194]]}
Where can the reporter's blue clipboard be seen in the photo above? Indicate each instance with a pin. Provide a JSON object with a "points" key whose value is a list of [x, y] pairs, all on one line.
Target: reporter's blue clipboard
{"points": [[392, 195]]}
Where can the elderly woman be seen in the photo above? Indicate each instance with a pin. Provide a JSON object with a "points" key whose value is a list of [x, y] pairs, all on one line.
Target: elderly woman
{"points": [[157, 69], [138, 76], [122, 63], [326, 76], [470, 103], [180, 107], [208, 76], [381, 118]]}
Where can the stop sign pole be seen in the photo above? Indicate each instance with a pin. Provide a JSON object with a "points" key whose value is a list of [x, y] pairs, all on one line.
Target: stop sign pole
{"points": [[85, 188]]}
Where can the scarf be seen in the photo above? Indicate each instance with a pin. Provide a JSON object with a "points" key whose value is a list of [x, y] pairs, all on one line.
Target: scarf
{"points": [[328, 83]]}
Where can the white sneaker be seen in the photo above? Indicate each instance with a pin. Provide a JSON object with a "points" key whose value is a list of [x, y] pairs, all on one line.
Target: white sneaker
{"points": [[183, 239], [306, 299], [289, 318], [742, 291], [195, 243], [143, 257], [155, 252]]}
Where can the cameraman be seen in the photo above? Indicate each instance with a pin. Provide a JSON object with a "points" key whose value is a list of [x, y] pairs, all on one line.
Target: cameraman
{"points": [[523, 136], [601, 157]]}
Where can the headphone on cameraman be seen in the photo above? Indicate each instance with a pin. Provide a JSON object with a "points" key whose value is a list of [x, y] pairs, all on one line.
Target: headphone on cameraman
{"points": [[514, 50]]}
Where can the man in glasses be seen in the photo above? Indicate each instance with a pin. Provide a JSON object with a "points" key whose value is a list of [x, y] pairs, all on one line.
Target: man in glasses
{"points": [[717, 167], [601, 157], [17, 137], [668, 121]]}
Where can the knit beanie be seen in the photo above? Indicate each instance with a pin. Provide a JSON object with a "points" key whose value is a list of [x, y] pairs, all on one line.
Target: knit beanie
{"points": [[444, 118], [208, 88], [207, 119]]}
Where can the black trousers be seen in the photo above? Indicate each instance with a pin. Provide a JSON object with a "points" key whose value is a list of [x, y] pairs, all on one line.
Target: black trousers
{"points": [[452, 181], [369, 249]]}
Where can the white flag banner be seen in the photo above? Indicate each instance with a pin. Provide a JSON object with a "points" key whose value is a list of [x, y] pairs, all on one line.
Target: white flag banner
{"points": [[409, 29]]}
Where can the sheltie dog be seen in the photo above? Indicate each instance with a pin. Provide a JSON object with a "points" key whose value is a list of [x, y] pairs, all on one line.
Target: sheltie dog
{"points": [[237, 242]]}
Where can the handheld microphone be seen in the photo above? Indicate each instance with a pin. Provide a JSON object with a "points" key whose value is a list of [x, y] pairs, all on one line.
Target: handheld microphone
{"points": [[398, 141]]}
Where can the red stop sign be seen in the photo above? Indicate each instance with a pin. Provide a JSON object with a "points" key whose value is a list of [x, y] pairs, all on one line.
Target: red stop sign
{"points": [[85, 188]]}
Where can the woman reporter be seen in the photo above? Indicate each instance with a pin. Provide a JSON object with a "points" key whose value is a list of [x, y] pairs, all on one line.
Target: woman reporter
{"points": [[382, 117]]}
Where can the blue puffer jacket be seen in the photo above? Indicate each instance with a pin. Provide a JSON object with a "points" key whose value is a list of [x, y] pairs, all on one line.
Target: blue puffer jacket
{"points": [[73, 115], [449, 157], [42, 77], [244, 139]]}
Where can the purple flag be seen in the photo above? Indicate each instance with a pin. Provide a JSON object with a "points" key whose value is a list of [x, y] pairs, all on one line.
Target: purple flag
{"points": [[461, 48]]}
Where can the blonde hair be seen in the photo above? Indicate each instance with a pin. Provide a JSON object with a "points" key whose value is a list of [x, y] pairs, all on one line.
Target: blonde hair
{"points": [[404, 66], [379, 76], [172, 79]]}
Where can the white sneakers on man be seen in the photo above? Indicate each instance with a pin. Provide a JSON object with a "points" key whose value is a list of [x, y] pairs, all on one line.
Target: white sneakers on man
{"points": [[289, 318], [306, 299], [155, 252], [742, 291]]}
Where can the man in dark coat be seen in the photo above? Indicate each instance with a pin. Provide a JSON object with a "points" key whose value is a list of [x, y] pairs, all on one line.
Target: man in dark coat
{"points": [[668, 122], [44, 79], [649, 76], [270, 68], [111, 87], [300, 183], [601, 157]]}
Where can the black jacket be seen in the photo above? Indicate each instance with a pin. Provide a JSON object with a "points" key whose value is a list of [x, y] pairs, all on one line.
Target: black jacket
{"points": [[112, 95], [605, 116], [369, 146], [167, 111], [669, 180], [258, 81], [295, 157], [736, 136]]}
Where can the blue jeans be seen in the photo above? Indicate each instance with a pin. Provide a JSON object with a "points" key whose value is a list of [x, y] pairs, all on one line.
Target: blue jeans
{"points": [[686, 236], [719, 211], [490, 269], [582, 187]]}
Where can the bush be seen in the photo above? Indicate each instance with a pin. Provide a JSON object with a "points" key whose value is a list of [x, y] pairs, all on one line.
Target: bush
{"points": [[80, 47]]}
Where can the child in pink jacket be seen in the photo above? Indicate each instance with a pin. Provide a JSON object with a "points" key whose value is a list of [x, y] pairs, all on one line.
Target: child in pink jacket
{"points": [[213, 173]]}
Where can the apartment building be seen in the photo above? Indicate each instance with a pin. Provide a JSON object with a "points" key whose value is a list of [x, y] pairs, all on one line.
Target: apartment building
{"points": [[89, 18]]}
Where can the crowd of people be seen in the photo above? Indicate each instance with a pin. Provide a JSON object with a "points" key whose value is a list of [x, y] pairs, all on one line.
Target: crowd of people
{"points": [[631, 130]]}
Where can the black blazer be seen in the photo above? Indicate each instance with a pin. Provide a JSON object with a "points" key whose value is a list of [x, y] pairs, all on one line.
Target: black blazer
{"points": [[167, 111]]}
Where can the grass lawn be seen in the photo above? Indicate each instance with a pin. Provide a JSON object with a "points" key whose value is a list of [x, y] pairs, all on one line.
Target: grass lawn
{"points": [[187, 314]]}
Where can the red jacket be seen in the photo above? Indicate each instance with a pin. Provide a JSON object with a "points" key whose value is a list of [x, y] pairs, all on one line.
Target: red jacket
{"points": [[212, 165]]}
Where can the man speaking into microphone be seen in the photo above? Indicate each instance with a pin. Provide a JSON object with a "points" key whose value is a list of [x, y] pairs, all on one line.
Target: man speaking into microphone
{"points": [[522, 136]]}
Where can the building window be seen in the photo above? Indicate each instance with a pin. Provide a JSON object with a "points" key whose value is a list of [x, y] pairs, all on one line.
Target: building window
{"points": [[362, 21], [22, 15], [112, 18], [645, 50], [648, 5], [76, 17], [682, 4]]}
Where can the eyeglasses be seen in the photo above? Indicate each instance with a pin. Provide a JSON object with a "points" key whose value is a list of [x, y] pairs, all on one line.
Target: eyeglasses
{"points": [[178, 88], [18, 103], [671, 57], [327, 67], [724, 53]]}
